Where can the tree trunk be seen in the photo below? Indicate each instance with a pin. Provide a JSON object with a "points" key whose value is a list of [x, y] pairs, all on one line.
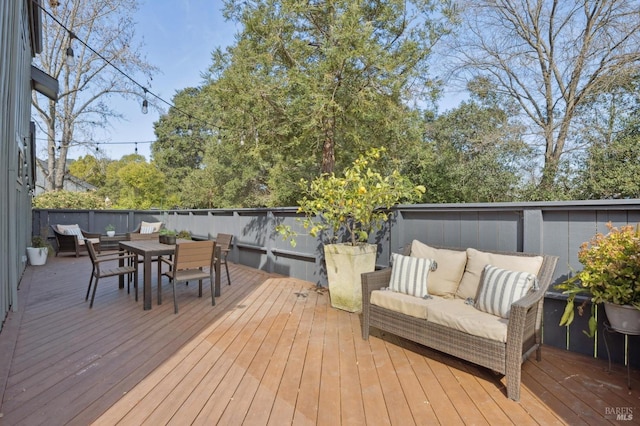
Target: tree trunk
{"points": [[50, 173], [328, 148]]}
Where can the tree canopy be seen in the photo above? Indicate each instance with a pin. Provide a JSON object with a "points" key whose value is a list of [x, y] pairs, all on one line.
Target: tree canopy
{"points": [[307, 87]]}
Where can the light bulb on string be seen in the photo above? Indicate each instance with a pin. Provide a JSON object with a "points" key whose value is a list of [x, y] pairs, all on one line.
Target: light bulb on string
{"points": [[70, 59], [145, 103], [136, 150]]}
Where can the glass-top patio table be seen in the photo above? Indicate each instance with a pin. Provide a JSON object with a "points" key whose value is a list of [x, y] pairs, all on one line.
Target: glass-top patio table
{"points": [[148, 249]]}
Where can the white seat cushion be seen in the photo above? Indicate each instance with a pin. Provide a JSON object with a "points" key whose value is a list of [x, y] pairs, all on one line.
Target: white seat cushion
{"points": [[456, 314], [399, 302], [93, 241]]}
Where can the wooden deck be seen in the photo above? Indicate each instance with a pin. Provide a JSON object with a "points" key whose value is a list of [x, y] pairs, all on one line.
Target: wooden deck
{"points": [[272, 351]]}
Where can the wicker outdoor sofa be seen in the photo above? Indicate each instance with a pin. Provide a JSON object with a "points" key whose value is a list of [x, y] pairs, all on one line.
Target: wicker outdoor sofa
{"points": [[450, 321]]}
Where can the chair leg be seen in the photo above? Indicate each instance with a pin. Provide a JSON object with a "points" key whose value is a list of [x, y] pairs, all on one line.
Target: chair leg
{"points": [[93, 295], [213, 293], [135, 284], [89, 289], [159, 281], [227, 268], [200, 288], [175, 301]]}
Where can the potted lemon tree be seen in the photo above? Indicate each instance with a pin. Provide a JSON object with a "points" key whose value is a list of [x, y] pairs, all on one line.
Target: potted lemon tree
{"points": [[611, 275], [351, 206]]}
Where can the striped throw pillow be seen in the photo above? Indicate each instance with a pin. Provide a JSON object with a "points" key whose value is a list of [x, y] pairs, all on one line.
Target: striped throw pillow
{"points": [[73, 231], [409, 275], [147, 229], [499, 288]]}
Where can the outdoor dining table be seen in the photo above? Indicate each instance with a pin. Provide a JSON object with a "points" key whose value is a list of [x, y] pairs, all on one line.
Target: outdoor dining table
{"points": [[148, 249]]}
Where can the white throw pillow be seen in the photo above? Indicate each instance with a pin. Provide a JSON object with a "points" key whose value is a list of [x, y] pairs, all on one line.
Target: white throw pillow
{"points": [[409, 274], [499, 288]]}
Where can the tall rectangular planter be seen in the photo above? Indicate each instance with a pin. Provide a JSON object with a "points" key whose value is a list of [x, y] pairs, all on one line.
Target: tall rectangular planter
{"points": [[345, 263]]}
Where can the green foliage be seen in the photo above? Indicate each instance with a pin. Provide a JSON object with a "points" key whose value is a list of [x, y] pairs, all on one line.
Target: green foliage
{"points": [[181, 140], [109, 227], [168, 232], [90, 169], [473, 153], [303, 91], [611, 169], [132, 183], [69, 200], [611, 272], [358, 202], [40, 242], [184, 234]]}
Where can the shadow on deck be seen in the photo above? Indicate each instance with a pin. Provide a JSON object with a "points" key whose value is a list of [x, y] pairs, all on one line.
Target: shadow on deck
{"points": [[272, 351]]}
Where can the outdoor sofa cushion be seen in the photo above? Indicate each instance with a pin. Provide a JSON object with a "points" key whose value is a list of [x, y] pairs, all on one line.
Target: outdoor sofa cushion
{"points": [[445, 279], [477, 260]]}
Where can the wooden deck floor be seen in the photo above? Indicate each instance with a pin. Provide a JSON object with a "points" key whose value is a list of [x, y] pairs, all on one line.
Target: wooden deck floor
{"points": [[271, 351]]}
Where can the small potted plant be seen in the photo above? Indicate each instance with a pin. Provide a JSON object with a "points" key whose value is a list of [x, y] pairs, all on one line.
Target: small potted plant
{"points": [[38, 251], [184, 235], [611, 275], [167, 236], [356, 204], [111, 230]]}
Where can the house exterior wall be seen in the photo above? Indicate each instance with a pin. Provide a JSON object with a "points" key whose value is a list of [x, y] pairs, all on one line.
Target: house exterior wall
{"points": [[16, 52], [70, 183]]}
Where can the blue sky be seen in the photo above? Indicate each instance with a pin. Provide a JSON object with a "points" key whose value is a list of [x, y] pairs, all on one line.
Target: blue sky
{"points": [[178, 37]]}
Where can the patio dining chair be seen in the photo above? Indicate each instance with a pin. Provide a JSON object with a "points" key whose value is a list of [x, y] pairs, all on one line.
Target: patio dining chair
{"points": [[224, 242], [99, 271], [192, 261]]}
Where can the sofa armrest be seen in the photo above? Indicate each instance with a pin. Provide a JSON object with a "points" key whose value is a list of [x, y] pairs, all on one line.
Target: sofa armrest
{"points": [[371, 281], [375, 280]]}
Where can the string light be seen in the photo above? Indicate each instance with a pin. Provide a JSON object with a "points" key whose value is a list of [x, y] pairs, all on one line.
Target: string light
{"points": [[71, 60], [145, 102]]}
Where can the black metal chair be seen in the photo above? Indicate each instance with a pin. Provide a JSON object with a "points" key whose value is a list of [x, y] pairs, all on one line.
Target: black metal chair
{"points": [[102, 272]]}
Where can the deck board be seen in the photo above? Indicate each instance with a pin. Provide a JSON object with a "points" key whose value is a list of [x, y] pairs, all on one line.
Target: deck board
{"points": [[272, 351]]}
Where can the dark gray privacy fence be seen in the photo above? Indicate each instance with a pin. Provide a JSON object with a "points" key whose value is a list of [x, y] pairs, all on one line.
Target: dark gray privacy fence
{"points": [[556, 228]]}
